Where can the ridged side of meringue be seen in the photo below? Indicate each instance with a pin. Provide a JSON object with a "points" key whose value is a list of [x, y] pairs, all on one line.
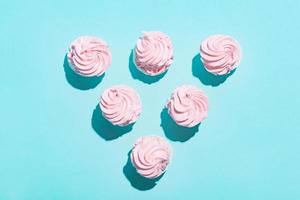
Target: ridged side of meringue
{"points": [[220, 54], [150, 156], [153, 53], [120, 105], [89, 56], [188, 105]]}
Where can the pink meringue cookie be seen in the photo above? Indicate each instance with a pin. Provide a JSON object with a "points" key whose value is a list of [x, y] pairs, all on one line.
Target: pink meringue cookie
{"points": [[150, 156], [120, 105], [89, 56], [153, 53], [220, 54], [188, 106]]}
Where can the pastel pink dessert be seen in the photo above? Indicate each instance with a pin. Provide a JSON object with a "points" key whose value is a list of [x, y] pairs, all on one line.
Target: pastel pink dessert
{"points": [[188, 106], [120, 105], [153, 53], [89, 56], [150, 156], [220, 54]]}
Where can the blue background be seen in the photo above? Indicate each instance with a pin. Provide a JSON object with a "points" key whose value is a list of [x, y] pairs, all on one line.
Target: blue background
{"points": [[52, 147]]}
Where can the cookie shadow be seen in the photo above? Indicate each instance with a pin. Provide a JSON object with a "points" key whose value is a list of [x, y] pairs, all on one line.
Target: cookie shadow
{"points": [[175, 132], [78, 81], [136, 180], [137, 74], [204, 76], [105, 129]]}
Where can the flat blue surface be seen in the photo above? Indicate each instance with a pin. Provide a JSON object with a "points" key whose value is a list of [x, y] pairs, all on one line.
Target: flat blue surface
{"points": [[51, 145]]}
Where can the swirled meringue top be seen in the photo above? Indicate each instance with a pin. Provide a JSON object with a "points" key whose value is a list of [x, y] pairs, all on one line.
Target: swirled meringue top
{"points": [[151, 155], [89, 56], [220, 54], [153, 53], [188, 105], [120, 105]]}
